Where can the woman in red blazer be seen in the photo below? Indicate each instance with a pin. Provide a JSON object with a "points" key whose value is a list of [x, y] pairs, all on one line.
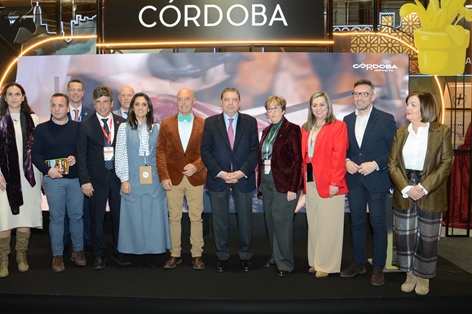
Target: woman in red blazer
{"points": [[279, 178], [324, 145]]}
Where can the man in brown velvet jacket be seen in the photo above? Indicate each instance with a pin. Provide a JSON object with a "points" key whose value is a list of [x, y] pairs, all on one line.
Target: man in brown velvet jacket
{"points": [[182, 173]]}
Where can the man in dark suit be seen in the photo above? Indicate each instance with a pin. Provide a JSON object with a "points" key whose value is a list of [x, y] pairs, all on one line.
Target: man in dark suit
{"points": [[96, 140], [370, 133], [78, 112], [75, 92], [125, 95], [229, 151]]}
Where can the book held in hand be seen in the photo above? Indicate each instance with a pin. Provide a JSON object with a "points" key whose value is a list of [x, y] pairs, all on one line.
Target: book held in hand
{"points": [[59, 163]]}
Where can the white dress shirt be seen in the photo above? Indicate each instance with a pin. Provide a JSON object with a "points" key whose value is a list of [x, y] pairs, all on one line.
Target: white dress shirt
{"points": [[361, 125], [185, 130]]}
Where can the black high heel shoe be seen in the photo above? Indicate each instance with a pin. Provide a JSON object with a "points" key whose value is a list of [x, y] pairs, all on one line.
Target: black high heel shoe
{"points": [[141, 261], [151, 263]]}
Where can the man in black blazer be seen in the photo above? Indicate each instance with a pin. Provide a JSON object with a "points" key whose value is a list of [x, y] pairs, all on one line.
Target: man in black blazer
{"points": [[229, 151], [96, 141], [78, 112], [370, 133]]}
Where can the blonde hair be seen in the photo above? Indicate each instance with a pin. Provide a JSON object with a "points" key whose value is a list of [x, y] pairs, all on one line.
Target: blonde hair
{"points": [[311, 120]]}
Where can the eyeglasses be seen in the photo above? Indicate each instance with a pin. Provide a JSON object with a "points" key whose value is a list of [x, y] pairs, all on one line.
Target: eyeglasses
{"points": [[362, 94], [274, 109], [75, 90]]}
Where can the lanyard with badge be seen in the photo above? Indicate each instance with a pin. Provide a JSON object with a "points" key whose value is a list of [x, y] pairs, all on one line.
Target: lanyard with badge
{"points": [[268, 143], [145, 172], [108, 151]]}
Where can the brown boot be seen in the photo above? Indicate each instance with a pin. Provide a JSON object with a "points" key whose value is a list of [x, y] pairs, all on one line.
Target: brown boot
{"points": [[58, 264], [4, 251], [22, 240]]}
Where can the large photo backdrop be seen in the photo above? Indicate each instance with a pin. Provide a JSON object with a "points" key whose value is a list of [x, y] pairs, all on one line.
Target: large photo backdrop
{"points": [[294, 76]]}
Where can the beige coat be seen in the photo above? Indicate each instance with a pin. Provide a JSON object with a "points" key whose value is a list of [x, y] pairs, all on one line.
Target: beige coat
{"points": [[436, 169]]}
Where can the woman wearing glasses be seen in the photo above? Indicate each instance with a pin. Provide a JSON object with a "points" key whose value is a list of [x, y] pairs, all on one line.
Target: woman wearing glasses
{"points": [[279, 178], [419, 165], [324, 145]]}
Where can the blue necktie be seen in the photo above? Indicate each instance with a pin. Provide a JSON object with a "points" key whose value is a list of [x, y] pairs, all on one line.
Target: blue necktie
{"points": [[185, 118], [108, 163]]}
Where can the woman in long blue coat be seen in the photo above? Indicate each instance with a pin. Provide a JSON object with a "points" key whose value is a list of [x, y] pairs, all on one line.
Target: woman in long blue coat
{"points": [[144, 225]]}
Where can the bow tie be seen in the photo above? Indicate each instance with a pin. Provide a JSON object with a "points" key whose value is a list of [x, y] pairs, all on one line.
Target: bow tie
{"points": [[183, 118]]}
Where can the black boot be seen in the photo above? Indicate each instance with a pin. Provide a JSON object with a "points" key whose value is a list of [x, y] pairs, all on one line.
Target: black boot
{"points": [[151, 262], [141, 261]]}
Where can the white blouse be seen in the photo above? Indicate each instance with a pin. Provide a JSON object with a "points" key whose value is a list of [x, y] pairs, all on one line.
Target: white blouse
{"points": [[414, 152], [121, 154]]}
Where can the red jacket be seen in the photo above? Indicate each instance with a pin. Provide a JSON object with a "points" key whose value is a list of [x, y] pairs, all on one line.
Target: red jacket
{"points": [[329, 157]]}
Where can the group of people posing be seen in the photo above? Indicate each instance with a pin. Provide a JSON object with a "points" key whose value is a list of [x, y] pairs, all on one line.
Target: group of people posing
{"points": [[144, 170]]}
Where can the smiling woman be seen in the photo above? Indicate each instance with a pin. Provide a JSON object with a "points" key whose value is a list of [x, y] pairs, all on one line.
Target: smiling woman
{"points": [[419, 166], [20, 182], [14, 98], [279, 175], [324, 140], [144, 225]]}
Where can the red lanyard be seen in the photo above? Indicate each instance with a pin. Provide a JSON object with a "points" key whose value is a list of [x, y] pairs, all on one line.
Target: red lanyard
{"points": [[108, 136]]}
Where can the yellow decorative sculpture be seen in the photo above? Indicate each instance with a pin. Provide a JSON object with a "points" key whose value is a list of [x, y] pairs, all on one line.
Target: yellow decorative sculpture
{"points": [[441, 44]]}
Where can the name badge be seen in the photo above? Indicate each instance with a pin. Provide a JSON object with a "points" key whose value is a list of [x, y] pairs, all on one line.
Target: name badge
{"points": [[267, 166], [108, 153], [145, 175]]}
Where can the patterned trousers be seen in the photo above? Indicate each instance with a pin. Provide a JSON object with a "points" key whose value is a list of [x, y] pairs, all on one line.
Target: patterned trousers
{"points": [[416, 239]]}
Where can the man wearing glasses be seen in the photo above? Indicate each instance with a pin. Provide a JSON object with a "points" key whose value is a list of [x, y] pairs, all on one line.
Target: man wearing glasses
{"points": [[370, 133]]}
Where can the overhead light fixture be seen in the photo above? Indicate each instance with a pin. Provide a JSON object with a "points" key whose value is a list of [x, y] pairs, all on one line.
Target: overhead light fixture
{"points": [[262, 43], [39, 43]]}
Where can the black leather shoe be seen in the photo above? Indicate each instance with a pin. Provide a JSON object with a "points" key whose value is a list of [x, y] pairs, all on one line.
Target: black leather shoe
{"points": [[221, 265], [246, 265], [120, 259], [99, 263]]}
